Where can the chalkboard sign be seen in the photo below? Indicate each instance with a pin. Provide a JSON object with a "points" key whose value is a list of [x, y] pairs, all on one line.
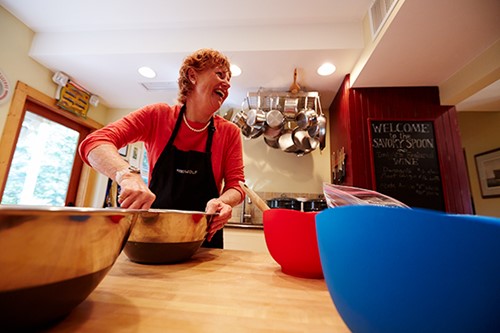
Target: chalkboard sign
{"points": [[405, 162]]}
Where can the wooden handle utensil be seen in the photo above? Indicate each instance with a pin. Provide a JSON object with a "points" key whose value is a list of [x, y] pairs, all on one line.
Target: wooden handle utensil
{"points": [[261, 204], [294, 88]]}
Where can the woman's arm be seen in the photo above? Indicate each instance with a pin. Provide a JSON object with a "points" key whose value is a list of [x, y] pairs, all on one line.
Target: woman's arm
{"points": [[224, 206], [134, 193]]}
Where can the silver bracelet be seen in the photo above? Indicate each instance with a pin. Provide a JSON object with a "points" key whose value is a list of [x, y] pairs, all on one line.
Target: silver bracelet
{"points": [[119, 174]]}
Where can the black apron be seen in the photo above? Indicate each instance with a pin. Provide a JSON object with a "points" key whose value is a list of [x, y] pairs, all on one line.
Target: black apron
{"points": [[184, 180]]}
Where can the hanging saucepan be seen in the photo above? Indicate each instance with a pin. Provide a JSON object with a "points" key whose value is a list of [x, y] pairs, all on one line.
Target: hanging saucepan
{"points": [[274, 123], [321, 131], [240, 119], [271, 133], [256, 119], [286, 143], [273, 143], [303, 141], [313, 131], [307, 117], [290, 108]]}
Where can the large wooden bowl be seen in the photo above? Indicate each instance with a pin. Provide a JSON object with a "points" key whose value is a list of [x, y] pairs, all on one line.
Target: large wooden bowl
{"points": [[167, 236], [52, 258]]}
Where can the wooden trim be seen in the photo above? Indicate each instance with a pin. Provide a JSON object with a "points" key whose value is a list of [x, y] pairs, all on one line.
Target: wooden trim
{"points": [[13, 122], [50, 103], [81, 194]]}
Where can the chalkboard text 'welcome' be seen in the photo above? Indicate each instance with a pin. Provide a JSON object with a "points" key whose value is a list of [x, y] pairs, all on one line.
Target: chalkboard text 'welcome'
{"points": [[406, 164]]}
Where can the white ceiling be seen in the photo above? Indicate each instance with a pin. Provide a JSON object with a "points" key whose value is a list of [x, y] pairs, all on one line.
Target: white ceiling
{"points": [[101, 43]]}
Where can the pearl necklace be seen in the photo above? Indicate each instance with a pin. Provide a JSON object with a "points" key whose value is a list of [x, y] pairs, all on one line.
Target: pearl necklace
{"points": [[194, 129]]}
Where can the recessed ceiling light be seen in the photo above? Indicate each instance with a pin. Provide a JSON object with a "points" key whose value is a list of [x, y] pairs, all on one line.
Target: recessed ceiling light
{"points": [[147, 72], [326, 69], [235, 70]]}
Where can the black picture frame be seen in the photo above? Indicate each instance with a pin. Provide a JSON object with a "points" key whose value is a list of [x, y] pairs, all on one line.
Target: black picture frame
{"points": [[488, 172]]}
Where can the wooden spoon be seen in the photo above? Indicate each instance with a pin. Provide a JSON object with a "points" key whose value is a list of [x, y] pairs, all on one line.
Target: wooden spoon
{"points": [[294, 88], [261, 204]]}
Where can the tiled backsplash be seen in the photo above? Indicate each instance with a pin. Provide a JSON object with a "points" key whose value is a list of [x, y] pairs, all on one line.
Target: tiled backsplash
{"points": [[255, 214]]}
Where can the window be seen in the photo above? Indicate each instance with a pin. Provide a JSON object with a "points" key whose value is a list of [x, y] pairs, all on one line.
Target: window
{"points": [[44, 167]]}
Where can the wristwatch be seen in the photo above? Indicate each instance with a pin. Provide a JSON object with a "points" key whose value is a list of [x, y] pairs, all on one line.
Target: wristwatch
{"points": [[131, 169]]}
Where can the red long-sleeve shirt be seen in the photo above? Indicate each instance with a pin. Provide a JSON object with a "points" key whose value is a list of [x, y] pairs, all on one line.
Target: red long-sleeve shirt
{"points": [[153, 125]]}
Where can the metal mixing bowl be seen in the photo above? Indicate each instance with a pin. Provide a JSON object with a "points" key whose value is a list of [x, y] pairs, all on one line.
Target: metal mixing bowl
{"points": [[52, 258], [167, 236]]}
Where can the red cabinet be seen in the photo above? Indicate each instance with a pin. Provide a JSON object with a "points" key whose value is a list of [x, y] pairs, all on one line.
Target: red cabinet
{"points": [[349, 119]]}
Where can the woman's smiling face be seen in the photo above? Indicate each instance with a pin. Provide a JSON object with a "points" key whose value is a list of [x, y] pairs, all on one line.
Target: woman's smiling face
{"points": [[211, 87]]}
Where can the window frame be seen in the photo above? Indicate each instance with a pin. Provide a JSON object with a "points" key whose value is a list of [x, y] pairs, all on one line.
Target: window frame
{"points": [[27, 98]]}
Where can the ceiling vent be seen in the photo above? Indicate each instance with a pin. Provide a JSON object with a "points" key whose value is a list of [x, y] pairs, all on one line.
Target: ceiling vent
{"points": [[379, 12], [158, 86]]}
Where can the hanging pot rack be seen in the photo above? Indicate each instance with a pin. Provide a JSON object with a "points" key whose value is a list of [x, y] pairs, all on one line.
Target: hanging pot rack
{"points": [[291, 138]]}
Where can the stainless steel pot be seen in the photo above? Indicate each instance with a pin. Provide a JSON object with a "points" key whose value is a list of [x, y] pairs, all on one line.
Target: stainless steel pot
{"points": [[314, 205], [273, 143], [306, 118], [272, 133], [321, 134], [303, 141], [274, 122], [290, 108], [256, 118], [284, 202], [250, 132], [286, 143]]}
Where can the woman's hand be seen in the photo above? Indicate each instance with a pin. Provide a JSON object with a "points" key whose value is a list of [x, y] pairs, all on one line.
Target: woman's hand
{"points": [[218, 221], [134, 193]]}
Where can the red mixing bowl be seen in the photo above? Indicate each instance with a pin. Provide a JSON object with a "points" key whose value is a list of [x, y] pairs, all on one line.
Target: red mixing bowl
{"points": [[291, 240]]}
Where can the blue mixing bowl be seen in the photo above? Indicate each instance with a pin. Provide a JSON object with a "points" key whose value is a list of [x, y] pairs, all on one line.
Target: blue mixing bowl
{"points": [[411, 270]]}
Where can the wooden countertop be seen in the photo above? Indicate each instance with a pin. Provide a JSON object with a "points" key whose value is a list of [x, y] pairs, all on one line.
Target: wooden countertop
{"points": [[216, 291]]}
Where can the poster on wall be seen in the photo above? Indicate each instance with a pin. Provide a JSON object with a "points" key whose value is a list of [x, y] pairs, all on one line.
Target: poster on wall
{"points": [[488, 170], [134, 159], [405, 162]]}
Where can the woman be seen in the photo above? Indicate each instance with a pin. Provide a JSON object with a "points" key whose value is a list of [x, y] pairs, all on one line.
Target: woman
{"points": [[195, 156]]}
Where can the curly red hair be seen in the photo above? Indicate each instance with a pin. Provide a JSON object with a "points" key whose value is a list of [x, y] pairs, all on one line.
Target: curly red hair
{"points": [[199, 61]]}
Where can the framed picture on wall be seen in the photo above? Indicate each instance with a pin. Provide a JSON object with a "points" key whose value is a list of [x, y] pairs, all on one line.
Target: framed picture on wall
{"points": [[135, 156], [488, 171]]}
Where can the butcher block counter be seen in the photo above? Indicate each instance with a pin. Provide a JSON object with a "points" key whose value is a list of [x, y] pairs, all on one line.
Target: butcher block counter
{"points": [[216, 291]]}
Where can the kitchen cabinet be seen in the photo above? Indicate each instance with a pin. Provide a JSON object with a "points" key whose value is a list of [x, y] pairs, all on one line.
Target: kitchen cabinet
{"points": [[350, 115], [216, 291], [244, 238]]}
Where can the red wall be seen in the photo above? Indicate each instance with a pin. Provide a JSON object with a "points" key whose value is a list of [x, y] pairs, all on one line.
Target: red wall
{"points": [[349, 114]]}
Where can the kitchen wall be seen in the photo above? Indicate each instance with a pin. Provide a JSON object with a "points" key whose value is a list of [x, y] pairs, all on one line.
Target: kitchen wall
{"points": [[16, 65], [480, 133]]}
